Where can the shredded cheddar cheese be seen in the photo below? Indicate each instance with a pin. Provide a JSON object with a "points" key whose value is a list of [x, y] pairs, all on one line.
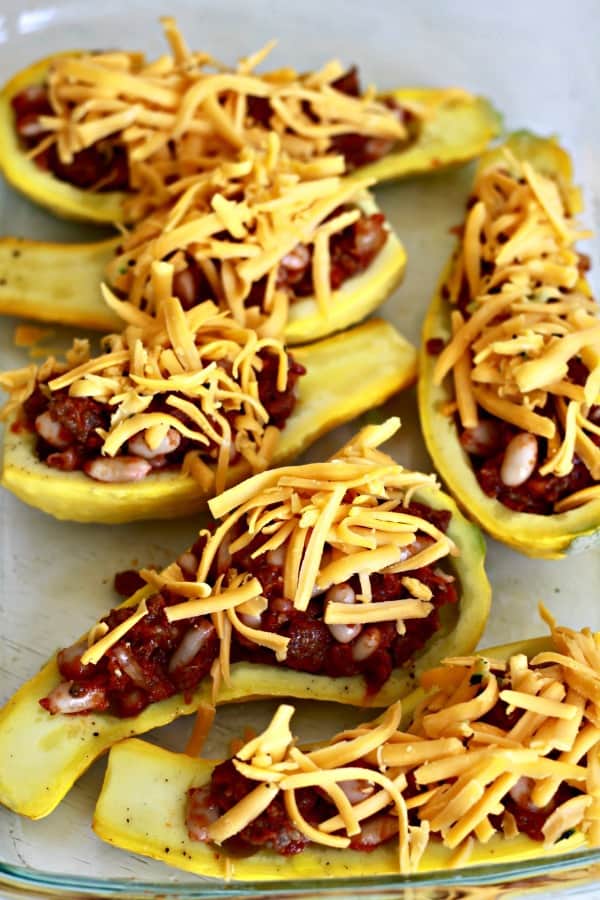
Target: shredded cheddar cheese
{"points": [[200, 367], [234, 225], [332, 521], [176, 115], [529, 323], [469, 779]]}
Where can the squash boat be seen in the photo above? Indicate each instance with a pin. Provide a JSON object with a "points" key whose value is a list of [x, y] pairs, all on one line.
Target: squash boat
{"points": [[285, 254], [178, 406], [499, 764], [510, 361], [98, 136], [337, 581]]}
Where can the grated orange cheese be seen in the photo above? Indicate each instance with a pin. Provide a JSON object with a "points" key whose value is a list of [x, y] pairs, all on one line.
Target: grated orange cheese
{"points": [[239, 226], [529, 314], [463, 788], [178, 114]]}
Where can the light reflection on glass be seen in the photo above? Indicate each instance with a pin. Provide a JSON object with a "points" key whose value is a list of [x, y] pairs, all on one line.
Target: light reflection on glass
{"points": [[3, 30], [33, 19]]}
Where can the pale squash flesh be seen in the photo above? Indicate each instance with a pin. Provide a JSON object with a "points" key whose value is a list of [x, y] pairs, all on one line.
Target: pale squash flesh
{"points": [[548, 537], [41, 756], [457, 127], [373, 357], [141, 808], [61, 283]]}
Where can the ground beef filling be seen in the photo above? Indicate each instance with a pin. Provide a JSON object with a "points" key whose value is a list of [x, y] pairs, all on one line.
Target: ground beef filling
{"points": [[67, 437], [101, 167], [155, 660], [104, 165], [152, 648]]}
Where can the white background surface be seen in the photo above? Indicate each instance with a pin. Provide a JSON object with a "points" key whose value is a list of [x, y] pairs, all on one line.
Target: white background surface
{"points": [[538, 61]]}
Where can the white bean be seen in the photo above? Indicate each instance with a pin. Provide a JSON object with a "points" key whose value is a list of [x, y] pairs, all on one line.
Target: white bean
{"points": [[520, 459], [60, 700], [277, 557], [192, 643], [200, 813], [188, 564], [356, 790], [52, 431], [482, 439], [223, 558], [129, 664], [377, 830], [521, 793], [298, 258], [342, 593], [138, 446], [122, 468], [366, 644]]}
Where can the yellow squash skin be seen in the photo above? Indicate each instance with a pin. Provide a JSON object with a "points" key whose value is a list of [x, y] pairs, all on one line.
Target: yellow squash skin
{"points": [[458, 127], [346, 375], [61, 283], [547, 537], [142, 809], [41, 756]]}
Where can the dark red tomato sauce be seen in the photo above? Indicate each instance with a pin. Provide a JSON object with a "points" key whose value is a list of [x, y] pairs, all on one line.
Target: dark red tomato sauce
{"points": [[154, 661], [102, 167]]}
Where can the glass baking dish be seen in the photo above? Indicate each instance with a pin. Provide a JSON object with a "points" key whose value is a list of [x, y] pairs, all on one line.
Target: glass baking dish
{"points": [[55, 577]]}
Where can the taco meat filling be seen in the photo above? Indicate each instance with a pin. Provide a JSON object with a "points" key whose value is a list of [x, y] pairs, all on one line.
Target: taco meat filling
{"points": [[158, 659], [104, 165], [68, 438]]}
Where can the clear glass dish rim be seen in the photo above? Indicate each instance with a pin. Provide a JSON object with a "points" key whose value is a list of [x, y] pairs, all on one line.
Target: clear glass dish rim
{"points": [[23, 878]]}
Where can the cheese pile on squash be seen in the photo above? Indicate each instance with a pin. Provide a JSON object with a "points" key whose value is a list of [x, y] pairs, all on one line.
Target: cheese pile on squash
{"points": [[462, 766], [554, 699], [530, 313], [182, 110], [239, 220], [334, 520], [199, 363]]}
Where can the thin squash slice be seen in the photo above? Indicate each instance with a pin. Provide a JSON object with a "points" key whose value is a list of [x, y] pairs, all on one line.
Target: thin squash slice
{"points": [[324, 401], [473, 801], [573, 523], [41, 755]]}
